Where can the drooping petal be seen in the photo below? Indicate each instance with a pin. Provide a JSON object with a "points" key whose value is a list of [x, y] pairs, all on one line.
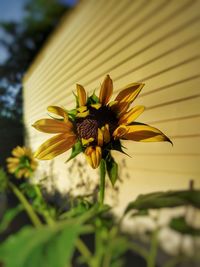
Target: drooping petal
{"points": [[106, 90], [55, 146], [144, 133], [58, 111], [82, 97], [93, 156], [129, 93], [131, 115], [53, 126]]}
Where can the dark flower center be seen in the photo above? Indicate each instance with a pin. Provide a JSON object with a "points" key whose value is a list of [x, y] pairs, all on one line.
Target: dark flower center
{"points": [[87, 128], [97, 118]]}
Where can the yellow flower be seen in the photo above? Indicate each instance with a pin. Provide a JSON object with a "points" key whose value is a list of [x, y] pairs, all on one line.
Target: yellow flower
{"points": [[96, 125], [22, 164]]}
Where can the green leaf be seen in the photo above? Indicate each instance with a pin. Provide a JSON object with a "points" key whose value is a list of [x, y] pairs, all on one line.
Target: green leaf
{"points": [[140, 213], [180, 225], [112, 169], [45, 246], [9, 216], [166, 199], [93, 99], [76, 149], [72, 114]]}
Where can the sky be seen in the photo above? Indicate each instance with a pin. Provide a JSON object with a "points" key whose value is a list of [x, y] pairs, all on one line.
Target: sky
{"points": [[13, 10]]}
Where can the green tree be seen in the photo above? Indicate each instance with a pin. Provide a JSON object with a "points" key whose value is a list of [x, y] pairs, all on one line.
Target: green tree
{"points": [[22, 41]]}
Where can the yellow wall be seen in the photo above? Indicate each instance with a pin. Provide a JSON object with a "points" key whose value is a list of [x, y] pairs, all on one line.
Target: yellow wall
{"points": [[156, 42]]}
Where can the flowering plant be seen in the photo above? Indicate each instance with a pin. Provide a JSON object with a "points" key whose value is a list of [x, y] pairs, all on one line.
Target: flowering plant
{"points": [[96, 126], [61, 234], [22, 163]]}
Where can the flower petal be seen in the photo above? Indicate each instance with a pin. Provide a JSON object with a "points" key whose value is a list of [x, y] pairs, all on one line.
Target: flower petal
{"points": [[58, 111], [129, 93], [106, 133], [82, 98], [120, 131], [55, 146], [53, 126], [106, 90], [100, 137], [18, 151], [131, 115], [93, 156], [144, 133]]}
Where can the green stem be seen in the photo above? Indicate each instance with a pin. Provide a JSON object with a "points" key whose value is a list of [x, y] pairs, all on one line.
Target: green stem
{"points": [[83, 250], [31, 213], [151, 260], [48, 219], [102, 181]]}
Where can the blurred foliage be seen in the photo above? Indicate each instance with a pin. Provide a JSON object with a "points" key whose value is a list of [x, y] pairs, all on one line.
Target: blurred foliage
{"points": [[179, 224], [3, 180], [87, 234], [22, 41], [165, 199]]}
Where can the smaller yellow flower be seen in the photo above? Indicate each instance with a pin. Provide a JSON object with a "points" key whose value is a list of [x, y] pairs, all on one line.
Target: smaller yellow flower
{"points": [[22, 164]]}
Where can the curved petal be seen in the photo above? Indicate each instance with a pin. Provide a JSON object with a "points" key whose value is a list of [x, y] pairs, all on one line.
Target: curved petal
{"points": [[144, 133], [129, 93], [131, 115], [106, 90], [58, 111], [53, 126], [93, 156], [55, 146], [120, 131], [82, 98]]}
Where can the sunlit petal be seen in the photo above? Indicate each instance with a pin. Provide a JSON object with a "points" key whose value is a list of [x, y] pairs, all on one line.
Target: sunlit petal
{"points": [[120, 131], [53, 126], [82, 97], [129, 93], [131, 115], [55, 146], [86, 141], [144, 133], [96, 106], [106, 90], [83, 114], [58, 111]]}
